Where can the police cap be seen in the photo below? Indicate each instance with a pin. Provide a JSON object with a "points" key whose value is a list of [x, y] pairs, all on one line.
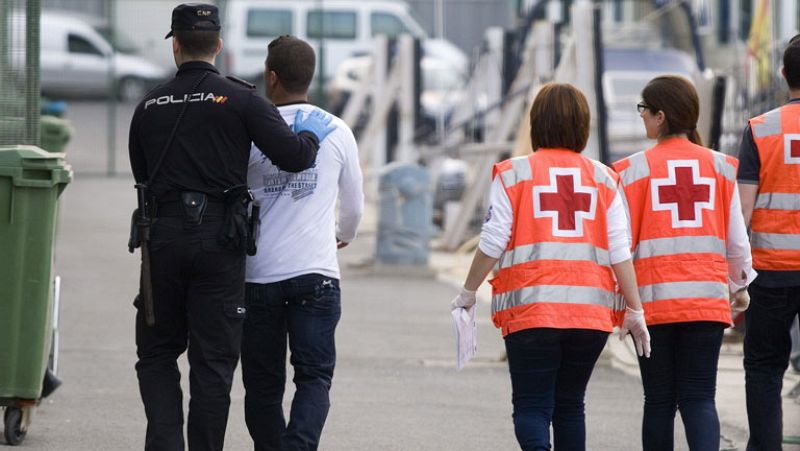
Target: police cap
{"points": [[194, 16]]}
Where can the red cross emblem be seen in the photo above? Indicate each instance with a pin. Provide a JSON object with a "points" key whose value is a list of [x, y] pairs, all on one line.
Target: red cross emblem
{"points": [[791, 148], [683, 193], [566, 201]]}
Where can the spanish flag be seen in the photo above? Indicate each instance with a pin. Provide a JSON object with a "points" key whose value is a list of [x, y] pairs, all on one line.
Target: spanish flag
{"points": [[759, 44]]}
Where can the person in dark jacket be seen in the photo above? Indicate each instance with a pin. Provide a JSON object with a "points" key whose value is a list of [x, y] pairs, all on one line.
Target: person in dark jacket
{"points": [[189, 143]]}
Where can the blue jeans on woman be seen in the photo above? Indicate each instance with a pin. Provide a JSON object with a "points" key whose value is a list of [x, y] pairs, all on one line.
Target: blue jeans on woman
{"points": [[550, 369], [305, 309], [681, 374]]}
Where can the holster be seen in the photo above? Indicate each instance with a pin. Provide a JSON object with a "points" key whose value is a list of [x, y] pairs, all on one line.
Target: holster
{"points": [[234, 232], [194, 206], [254, 223], [134, 239]]}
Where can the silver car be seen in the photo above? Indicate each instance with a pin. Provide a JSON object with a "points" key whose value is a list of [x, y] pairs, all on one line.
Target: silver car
{"points": [[77, 61]]}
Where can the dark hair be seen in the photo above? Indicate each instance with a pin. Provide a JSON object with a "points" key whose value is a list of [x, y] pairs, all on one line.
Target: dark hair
{"points": [[560, 118], [791, 63], [293, 61], [197, 43], [678, 99]]}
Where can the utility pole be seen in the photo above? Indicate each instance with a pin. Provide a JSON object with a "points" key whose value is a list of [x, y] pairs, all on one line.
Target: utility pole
{"points": [[321, 100], [111, 127]]}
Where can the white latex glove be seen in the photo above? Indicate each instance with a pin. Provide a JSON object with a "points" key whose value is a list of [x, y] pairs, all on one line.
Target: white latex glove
{"points": [[465, 299], [633, 322], [740, 301]]}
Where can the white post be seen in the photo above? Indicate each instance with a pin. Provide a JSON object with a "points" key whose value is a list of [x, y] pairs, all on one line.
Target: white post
{"points": [[788, 21], [494, 77], [544, 62], [405, 148], [511, 112], [440, 19], [380, 61], [583, 20]]}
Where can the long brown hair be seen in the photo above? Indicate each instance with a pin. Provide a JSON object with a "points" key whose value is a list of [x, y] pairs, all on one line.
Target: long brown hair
{"points": [[559, 118], [678, 99]]}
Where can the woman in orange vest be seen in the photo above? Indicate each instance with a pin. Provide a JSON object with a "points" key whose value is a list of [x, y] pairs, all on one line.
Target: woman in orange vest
{"points": [[556, 227], [692, 260]]}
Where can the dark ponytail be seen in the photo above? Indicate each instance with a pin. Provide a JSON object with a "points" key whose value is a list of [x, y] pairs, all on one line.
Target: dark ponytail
{"points": [[694, 136], [678, 99]]}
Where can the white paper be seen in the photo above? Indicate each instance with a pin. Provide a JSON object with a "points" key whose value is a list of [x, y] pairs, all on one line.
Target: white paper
{"points": [[466, 335]]}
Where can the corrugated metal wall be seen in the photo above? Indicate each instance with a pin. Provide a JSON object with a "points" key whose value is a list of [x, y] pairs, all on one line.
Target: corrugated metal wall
{"points": [[465, 20]]}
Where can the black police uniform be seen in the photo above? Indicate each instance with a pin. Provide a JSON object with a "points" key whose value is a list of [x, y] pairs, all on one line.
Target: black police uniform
{"points": [[198, 283]]}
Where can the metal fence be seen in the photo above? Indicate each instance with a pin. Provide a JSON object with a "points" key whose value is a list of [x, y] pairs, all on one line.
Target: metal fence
{"points": [[19, 72]]}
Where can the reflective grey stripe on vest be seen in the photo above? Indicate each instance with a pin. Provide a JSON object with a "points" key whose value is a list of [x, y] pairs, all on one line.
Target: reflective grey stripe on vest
{"points": [[521, 171], [778, 201], [770, 126], [627, 208], [601, 177], [680, 245], [680, 290], [779, 241], [568, 294], [723, 167], [638, 169], [554, 251]]}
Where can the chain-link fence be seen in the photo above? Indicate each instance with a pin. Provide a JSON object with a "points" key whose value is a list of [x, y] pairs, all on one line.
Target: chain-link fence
{"points": [[19, 72]]}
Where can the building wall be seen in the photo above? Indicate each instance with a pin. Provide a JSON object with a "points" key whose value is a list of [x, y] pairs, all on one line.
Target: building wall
{"points": [[145, 23], [97, 8], [465, 20]]}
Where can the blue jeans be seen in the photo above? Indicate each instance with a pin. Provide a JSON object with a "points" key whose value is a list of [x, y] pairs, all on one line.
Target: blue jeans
{"points": [[681, 373], [550, 369], [767, 344], [306, 309]]}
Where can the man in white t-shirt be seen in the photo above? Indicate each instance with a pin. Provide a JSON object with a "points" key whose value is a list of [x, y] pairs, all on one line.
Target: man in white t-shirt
{"points": [[293, 280]]}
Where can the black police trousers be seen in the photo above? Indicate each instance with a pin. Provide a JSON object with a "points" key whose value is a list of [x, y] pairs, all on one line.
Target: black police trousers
{"points": [[198, 297]]}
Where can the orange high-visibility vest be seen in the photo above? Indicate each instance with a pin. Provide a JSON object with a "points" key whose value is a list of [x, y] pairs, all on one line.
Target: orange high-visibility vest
{"points": [[555, 271], [775, 225], [679, 198]]}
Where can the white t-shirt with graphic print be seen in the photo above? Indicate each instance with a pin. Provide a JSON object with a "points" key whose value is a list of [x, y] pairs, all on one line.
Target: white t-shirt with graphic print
{"points": [[298, 210]]}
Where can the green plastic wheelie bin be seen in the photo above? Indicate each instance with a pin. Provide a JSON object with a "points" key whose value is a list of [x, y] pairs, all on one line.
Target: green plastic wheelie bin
{"points": [[55, 132], [31, 181]]}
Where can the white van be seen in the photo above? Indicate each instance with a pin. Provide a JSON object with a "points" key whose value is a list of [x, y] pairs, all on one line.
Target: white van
{"points": [[75, 60], [346, 27]]}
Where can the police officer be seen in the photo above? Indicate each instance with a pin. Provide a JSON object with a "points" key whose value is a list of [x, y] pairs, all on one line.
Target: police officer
{"points": [[189, 143]]}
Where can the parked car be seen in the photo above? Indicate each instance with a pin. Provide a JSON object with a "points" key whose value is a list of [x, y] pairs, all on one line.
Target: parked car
{"points": [[346, 27], [627, 71], [76, 61]]}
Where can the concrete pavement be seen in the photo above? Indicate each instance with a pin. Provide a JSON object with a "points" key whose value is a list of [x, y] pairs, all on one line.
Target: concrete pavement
{"points": [[395, 387]]}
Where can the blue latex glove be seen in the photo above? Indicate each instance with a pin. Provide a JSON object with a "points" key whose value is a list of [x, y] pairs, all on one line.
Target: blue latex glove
{"points": [[317, 122]]}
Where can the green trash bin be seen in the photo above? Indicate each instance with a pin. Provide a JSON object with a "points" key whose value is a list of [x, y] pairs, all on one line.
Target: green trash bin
{"points": [[31, 181], [56, 133]]}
